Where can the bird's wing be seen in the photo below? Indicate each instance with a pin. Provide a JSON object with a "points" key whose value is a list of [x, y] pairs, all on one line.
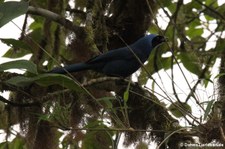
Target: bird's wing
{"points": [[118, 54]]}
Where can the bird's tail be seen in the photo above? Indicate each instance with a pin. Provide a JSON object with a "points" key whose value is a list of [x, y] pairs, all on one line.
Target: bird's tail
{"points": [[71, 68]]}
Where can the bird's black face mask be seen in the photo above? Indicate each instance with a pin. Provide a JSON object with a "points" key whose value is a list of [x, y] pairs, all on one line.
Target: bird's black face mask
{"points": [[157, 40]]}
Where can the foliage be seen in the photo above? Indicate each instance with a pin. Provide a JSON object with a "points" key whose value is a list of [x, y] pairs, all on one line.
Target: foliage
{"points": [[11, 10], [180, 109], [87, 110]]}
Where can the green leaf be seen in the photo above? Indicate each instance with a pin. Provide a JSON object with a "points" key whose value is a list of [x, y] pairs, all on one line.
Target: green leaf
{"points": [[208, 108], [193, 4], [62, 80], [208, 18], [20, 64], [207, 79], [190, 62], [12, 53], [19, 81], [171, 8], [126, 93], [37, 24], [153, 28], [23, 50], [221, 9], [220, 45], [194, 31], [45, 80], [179, 109], [11, 10], [107, 101], [15, 43], [219, 75], [211, 3], [194, 26], [16, 143], [165, 3]]}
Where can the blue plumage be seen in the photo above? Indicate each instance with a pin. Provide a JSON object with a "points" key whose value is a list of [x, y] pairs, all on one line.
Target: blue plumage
{"points": [[119, 62]]}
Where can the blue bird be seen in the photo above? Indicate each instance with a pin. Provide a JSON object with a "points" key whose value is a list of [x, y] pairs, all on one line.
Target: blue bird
{"points": [[120, 62]]}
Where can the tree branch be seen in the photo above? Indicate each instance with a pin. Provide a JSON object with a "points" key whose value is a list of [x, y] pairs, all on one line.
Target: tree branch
{"points": [[15, 104], [211, 9], [53, 94], [54, 17]]}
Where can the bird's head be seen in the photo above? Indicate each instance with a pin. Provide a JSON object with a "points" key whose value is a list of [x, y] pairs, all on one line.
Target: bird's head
{"points": [[148, 43], [157, 40], [153, 40]]}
